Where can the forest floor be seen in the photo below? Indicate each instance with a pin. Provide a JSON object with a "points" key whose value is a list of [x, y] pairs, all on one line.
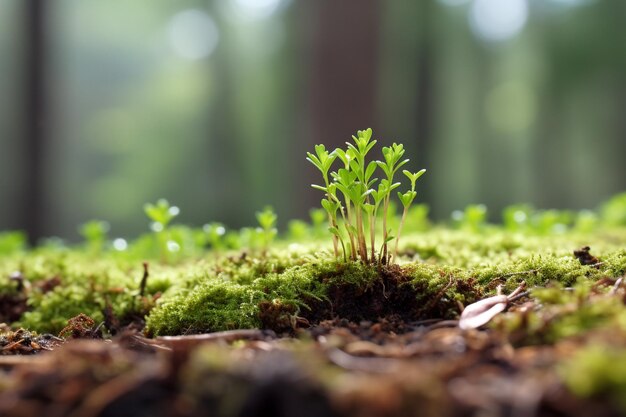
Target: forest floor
{"points": [[300, 333]]}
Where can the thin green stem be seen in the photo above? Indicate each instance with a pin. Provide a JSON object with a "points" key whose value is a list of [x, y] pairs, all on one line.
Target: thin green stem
{"points": [[332, 221], [373, 235], [350, 234], [360, 234], [395, 251], [383, 253]]}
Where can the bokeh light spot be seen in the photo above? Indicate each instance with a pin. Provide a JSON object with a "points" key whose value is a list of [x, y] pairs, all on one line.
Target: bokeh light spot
{"points": [[498, 20], [193, 34], [256, 9], [120, 244], [454, 3]]}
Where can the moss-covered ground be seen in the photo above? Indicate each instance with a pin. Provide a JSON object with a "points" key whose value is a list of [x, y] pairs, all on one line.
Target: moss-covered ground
{"points": [[439, 270], [198, 282]]}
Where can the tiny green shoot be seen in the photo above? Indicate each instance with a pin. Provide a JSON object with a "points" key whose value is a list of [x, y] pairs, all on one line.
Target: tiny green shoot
{"points": [[267, 220], [95, 234], [323, 161], [407, 199], [161, 215], [214, 233]]}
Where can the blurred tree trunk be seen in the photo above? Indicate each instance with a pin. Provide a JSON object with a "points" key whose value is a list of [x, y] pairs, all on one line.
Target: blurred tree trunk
{"points": [[424, 111], [343, 73], [406, 88], [34, 122]]}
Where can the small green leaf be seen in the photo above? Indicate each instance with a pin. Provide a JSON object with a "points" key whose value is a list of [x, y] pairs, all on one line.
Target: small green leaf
{"points": [[267, 218], [394, 186], [161, 212], [407, 198], [370, 170], [319, 187], [334, 231], [330, 206], [369, 208]]}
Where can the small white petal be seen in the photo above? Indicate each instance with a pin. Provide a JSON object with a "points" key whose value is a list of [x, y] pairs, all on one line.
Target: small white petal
{"points": [[481, 312]]}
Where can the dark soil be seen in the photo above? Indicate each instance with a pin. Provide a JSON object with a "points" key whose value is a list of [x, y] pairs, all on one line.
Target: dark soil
{"points": [[12, 306], [392, 298], [336, 368]]}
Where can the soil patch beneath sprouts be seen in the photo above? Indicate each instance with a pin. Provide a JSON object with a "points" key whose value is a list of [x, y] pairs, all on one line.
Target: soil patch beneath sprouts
{"points": [[392, 298]]}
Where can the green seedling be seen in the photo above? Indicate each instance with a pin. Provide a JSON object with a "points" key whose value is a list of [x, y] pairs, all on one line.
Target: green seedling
{"points": [[323, 161], [214, 233], [551, 221], [390, 166], [95, 234], [517, 217], [318, 221], [586, 221], [161, 215], [614, 211], [298, 230], [417, 217], [354, 197], [407, 199], [267, 220], [11, 242], [473, 218]]}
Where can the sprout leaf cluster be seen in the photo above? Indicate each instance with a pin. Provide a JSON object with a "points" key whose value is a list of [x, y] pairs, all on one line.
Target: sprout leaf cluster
{"points": [[354, 197]]}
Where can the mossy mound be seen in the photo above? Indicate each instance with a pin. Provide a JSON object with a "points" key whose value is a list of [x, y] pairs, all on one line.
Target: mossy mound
{"points": [[210, 279], [294, 284]]}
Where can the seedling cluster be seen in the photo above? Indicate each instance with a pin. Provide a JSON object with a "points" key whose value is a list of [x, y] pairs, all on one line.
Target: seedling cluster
{"points": [[354, 197]]}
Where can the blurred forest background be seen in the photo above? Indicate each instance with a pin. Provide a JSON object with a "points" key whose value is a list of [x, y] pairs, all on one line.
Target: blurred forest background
{"points": [[106, 105]]}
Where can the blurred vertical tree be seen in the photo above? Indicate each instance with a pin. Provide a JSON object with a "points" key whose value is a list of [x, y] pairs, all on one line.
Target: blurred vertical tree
{"points": [[35, 119], [343, 68], [406, 83]]}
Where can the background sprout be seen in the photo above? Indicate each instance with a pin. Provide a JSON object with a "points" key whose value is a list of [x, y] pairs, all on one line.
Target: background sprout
{"points": [[267, 220], [161, 215], [545, 222], [95, 234], [586, 221], [298, 229], [517, 217], [318, 221], [473, 218], [11, 242], [407, 199], [614, 211], [214, 233]]}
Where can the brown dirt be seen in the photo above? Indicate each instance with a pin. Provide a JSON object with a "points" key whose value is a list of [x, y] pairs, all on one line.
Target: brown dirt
{"points": [[336, 368]]}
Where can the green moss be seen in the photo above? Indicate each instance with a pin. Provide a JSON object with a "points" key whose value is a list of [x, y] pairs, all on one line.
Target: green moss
{"points": [[597, 371], [211, 307], [221, 305], [200, 290]]}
